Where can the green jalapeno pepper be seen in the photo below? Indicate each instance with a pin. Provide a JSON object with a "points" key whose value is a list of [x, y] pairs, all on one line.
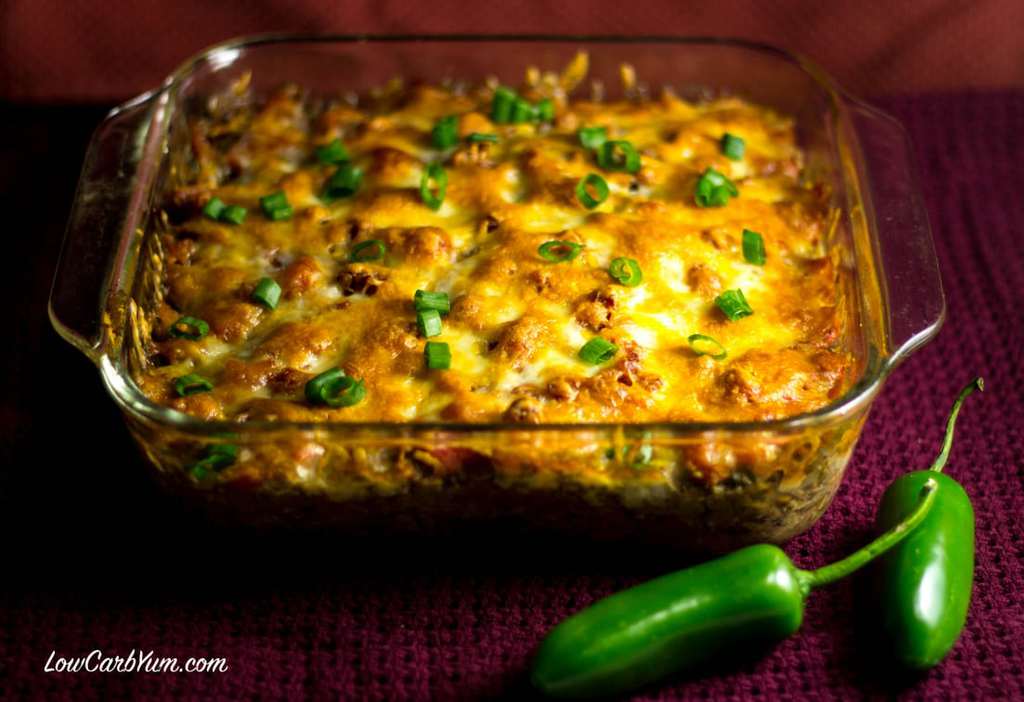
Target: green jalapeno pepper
{"points": [[754, 596], [923, 585]]}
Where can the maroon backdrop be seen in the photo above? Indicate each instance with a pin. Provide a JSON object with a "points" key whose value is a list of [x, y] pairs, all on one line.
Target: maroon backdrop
{"points": [[72, 50]]}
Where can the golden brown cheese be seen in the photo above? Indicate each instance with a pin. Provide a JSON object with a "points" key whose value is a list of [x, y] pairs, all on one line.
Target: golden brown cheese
{"points": [[517, 320]]}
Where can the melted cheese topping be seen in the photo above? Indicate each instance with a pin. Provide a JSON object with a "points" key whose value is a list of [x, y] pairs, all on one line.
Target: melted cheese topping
{"points": [[517, 321]]}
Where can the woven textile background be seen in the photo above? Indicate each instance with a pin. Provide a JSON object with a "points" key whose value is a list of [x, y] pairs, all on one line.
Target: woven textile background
{"points": [[89, 50], [329, 618]]}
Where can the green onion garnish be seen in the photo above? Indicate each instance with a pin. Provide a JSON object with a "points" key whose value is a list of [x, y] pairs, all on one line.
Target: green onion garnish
{"points": [[214, 208], [502, 105], [732, 146], [591, 182], [276, 206], [433, 184], [592, 137], [234, 214], [714, 189], [522, 111], [618, 156], [191, 384], [704, 345], [626, 271], [369, 250], [333, 153], [335, 389], [445, 133], [345, 182], [481, 137], [545, 110], [271, 202], [191, 328], [217, 458], [429, 323], [557, 251], [753, 247], [426, 300], [734, 305], [597, 351], [437, 355], [267, 293]]}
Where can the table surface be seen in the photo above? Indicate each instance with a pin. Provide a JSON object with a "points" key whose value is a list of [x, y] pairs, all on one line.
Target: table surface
{"points": [[98, 558]]}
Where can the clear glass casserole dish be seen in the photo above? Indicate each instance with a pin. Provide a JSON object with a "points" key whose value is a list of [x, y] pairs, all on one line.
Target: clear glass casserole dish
{"points": [[704, 486]]}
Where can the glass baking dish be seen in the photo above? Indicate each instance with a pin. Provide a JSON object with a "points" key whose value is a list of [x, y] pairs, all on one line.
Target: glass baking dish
{"points": [[705, 486]]}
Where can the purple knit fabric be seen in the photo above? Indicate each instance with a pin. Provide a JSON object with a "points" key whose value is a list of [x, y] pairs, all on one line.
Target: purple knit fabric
{"points": [[369, 632]]}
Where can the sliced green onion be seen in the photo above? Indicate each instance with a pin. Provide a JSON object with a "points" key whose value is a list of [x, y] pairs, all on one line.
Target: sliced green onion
{"points": [[522, 111], [234, 214], [734, 305], [214, 208], [626, 271], [281, 213], [445, 133], [437, 355], [267, 293], [558, 251], [369, 250], [344, 183], [191, 328], [335, 389], [481, 137], [598, 351], [753, 248], [618, 156], [545, 110], [271, 202], [191, 384], [502, 105], [217, 458], [592, 137], [591, 182], [433, 184], [426, 300], [732, 146], [429, 323], [333, 153], [703, 345], [714, 189]]}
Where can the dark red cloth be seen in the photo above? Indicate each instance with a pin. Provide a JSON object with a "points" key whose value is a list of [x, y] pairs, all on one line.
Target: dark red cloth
{"points": [[87, 50], [323, 618]]}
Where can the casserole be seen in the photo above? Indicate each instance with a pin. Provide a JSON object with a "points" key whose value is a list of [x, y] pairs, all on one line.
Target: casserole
{"points": [[706, 485]]}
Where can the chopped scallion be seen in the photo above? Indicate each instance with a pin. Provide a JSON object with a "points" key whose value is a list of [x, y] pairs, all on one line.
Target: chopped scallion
{"points": [[557, 251], [626, 271], [433, 185], [753, 248], [426, 300], [267, 293], [369, 250], [190, 328], [437, 355], [597, 351], [703, 345], [618, 156], [591, 191], [734, 305], [191, 384]]}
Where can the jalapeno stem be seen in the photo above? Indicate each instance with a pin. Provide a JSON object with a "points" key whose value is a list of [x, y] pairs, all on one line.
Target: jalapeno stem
{"points": [[856, 560], [947, 442]]}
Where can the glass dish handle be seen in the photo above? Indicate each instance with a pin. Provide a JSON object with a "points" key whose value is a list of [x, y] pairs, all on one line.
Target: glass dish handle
{"points": [[95, 242], [910, 268]]}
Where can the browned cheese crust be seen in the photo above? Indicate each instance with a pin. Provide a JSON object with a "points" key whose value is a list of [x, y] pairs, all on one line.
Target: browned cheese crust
{"points": [[517, 321]]}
